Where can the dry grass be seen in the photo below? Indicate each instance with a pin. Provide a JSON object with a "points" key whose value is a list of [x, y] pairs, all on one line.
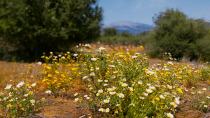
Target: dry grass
{"points": [[55, 107], [13, 71]]}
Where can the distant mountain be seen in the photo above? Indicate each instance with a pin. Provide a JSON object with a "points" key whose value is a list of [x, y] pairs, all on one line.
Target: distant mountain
{"points": [[130, 27]]}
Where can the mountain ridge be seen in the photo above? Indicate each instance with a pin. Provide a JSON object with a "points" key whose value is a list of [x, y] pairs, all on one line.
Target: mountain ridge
{"points": [[130, 27]]}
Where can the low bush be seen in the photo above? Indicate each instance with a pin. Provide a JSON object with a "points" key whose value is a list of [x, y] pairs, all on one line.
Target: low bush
{"points": [[58, 72], [20, 100], [121, 84], [121, 39]]}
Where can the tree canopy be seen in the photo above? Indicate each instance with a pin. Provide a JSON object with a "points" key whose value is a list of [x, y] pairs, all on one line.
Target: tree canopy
{"points": [[36, 26], [177, 34]]}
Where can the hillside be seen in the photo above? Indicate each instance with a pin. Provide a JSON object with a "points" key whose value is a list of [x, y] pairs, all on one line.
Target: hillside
{"points": [[130, 27]]}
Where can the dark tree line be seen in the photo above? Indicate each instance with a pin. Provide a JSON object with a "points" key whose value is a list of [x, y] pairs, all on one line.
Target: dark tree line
{"points": [[31, 27]]}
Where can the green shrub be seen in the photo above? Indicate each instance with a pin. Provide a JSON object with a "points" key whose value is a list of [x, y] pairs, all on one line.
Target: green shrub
{"points": [[19, 100], [203, 48], [110, 32], [205, 73], [121, 39], [201, 101], [179, 35], [121, 84]]}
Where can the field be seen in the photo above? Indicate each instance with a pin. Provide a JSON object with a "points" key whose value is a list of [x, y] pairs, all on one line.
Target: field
{"points": [[104, 81]]}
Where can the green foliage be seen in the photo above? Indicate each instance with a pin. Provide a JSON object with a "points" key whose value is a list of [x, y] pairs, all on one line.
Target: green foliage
{"points": [[203, 48], [205, 73], [34, 27], [201, 101], [126, 34], [120, 39], [110, 32], [20, 100], [56, 78], [177, 34], [122, 84]]}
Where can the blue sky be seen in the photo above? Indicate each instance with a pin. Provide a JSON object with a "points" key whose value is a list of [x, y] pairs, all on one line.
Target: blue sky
{"points": [[143, 10]]}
